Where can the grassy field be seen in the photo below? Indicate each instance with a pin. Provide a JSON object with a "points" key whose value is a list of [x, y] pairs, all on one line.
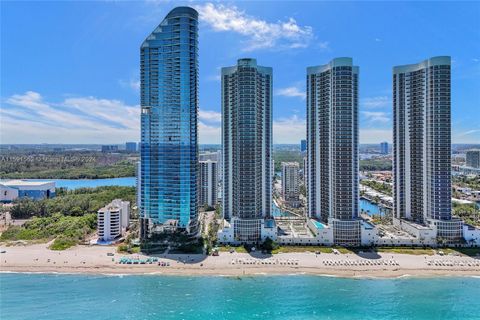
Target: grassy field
{"points": [[472, 252], [412, 251], [290, 249], [398, 250], [240, 249], [430, 252]]}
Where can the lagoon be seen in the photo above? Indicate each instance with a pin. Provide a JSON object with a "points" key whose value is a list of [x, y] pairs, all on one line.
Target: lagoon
{"points": [[369, 207], [90, 183]]}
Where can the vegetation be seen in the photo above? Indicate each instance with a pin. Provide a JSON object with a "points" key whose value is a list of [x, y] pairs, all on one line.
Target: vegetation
{"points": [[467, 212], [321, 249], [66, 165], [193, 247], [210, 238], [375, 165], [472, 182], [206, 208], [411, 250], [68, 230], [286, 156], [127, 248], [69, 218], [269, 245], [398, 250], [384, 188], [472, 252], [76, 202], [429, 251], [239, 249], [62, 243], [178, 242], [303, 190]]}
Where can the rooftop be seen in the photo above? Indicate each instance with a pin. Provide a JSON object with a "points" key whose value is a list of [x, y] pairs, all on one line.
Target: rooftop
{"points": [[18, 183]]}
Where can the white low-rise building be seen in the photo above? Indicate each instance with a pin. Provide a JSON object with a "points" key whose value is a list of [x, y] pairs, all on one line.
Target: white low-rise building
{"points": [[295, 231], [471, 234], [369, 233], [227, 234], [7, 194], [113, 220], [36, 190]]}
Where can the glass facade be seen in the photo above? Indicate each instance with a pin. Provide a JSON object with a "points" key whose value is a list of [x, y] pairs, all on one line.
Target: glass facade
{"points": [[169, 110], [247, 146], [332, 137], [332, 153], [422, 140]]}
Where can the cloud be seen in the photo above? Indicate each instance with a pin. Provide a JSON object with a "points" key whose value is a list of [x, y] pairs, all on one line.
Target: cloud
{"points": [[323, 45], [133, 84], [209, 134], [375, 135], [289, 130], [375, 102], [469, 136], [290, 92], [467, 133], [82, 120], [215, 77], [73, 120], [209, 116], [260, 34], [376, 116]]}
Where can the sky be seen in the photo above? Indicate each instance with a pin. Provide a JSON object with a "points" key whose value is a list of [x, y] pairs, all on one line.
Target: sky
{"points": [[70, 70]]}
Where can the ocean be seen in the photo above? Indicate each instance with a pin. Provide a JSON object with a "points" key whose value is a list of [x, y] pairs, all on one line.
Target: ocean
{"points": [[54, 296]]}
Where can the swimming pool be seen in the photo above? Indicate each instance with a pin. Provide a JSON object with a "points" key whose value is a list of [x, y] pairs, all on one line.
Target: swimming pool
{"points": [[318, 224]]}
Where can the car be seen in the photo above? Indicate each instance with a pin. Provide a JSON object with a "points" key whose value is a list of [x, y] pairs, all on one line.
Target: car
{"points": [[110, 254], [3, 251]]}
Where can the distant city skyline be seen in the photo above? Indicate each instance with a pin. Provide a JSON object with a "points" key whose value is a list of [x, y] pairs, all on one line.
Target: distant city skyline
{"points": [[84, 87]]}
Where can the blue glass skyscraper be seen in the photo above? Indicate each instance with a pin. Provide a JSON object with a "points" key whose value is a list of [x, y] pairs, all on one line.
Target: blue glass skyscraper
{"points": [[303, 145], [169, 109]]}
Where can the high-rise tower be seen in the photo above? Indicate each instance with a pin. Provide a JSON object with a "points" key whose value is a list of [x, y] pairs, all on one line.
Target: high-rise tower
{"points": [[169, 108], [247, 147], [422, 145], [332, 154], [208, 180], [290, 183]]}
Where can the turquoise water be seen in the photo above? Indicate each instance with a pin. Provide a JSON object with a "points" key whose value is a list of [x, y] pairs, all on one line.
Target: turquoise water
{"points": [[365, 204], [369, 207], [277, 212], [318, 224], [54, 297]]}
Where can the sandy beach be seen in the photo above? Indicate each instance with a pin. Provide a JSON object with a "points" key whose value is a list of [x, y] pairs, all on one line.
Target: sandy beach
{"points": [[95, 260]]}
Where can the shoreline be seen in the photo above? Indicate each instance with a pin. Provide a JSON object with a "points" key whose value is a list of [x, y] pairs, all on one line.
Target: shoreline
{"points": [[413, 274], [91, 260]]}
